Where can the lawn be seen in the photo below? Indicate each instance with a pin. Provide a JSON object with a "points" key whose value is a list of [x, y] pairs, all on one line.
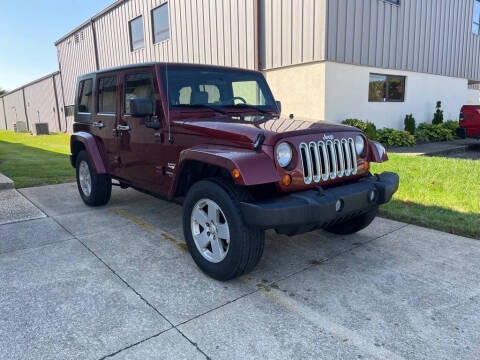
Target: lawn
{"points": [[35, 160], [435, 192]]}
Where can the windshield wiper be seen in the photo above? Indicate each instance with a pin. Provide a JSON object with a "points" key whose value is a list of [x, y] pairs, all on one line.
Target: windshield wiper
{"points": [[206, 106], [248, 106]]}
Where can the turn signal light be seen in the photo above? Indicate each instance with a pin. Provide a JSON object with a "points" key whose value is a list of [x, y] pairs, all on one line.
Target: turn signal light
{"points": [[235, 173], [366, 165], [286, 180]]}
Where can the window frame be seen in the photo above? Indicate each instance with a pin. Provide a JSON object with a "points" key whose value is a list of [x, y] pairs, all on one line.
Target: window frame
{"points": [[476, 21], [387, 81], [116, 95], [130, 33], [153, 23], [394, 2]]}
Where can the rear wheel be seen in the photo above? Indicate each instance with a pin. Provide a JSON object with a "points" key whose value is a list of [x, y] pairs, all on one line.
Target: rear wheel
{"points": [[353, 225], [219, 241], [95, 189]]}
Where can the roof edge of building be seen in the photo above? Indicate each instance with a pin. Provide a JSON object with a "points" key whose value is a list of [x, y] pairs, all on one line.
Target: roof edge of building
{"points": [[31, 83], [90, 20]]}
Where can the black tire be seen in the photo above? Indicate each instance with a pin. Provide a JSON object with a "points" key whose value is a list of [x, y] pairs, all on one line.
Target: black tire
{"points": [[246, 243], [101, 184], [353, 225]]}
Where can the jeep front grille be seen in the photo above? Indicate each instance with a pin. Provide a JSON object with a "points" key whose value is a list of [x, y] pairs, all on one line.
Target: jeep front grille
{"points": [[328, 160]]}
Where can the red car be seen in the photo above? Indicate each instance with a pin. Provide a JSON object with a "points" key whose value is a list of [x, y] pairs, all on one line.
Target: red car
{"points": [[212, 139], [469, 122]]}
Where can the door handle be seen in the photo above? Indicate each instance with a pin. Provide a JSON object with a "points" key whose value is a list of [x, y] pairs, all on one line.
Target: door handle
{"points": [[98, 124], [123, 127]]}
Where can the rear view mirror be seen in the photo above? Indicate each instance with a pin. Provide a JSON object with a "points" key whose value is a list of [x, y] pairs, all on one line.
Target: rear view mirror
{"points": [[279, 106], [141, 107]]}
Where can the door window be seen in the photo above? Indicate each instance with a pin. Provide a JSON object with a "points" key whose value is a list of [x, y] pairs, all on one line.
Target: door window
{"points": [[107, 95], [139, 86], [85, 102]]}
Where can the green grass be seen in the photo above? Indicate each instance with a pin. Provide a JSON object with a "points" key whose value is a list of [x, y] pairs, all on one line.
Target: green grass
{"points": [[35, 160], [435, 192]]}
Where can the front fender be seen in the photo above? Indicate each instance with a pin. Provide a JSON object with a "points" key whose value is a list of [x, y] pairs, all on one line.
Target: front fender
{"points": [[255, 167], [92, 148], [375, 154]]}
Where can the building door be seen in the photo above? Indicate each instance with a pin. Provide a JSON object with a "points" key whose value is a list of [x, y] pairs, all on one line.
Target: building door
{"points": [[140, 147]]}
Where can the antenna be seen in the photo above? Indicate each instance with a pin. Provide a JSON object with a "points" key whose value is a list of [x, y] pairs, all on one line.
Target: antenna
{"points": [[170, 138]]}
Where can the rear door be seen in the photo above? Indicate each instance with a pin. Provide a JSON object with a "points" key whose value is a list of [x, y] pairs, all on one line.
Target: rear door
{"points": [[106, 119], [140, 147]]}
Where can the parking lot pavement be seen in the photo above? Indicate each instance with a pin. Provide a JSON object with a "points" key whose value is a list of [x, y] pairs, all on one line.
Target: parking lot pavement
{"points": [[118, 281]]}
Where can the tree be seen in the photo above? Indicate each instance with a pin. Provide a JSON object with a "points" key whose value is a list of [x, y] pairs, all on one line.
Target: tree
{"points": [[438, 115], [2, 92]]}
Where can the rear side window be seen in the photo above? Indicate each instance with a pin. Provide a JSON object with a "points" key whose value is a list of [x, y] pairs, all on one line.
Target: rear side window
{"points": [[139, 86], [85, 99], [107, 95]]}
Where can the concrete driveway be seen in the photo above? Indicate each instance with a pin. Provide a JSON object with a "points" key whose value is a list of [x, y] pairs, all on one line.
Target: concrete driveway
{"points": [[117, 282]]}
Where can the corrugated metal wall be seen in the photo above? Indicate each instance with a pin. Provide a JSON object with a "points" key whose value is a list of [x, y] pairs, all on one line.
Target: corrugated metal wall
{"points": [[292, 32], [3, 124], [76, 56], [14, 108], [61, 110], [220, 32], [430, 36], [41, 104]]}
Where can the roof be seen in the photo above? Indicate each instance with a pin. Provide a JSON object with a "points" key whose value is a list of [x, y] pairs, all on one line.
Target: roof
{"points": [[31, 83], [92, 19]]}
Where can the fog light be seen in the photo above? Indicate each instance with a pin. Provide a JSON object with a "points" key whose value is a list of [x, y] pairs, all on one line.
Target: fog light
{"points": [[339, 205], [235, 173], [372, 196]]}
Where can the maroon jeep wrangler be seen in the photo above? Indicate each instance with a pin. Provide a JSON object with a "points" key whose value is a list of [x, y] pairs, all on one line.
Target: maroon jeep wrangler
{"points": [[212, 138]]}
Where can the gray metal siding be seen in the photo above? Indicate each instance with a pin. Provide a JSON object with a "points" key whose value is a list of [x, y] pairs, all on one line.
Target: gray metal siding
{"points": [[14, 108], [61, 110], [3, 124], [41, 105], [419, 35], [219, 32], [292, 32]]}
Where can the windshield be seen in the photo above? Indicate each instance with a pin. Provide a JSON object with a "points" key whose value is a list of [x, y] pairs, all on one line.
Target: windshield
{"points": [[217, 89]]}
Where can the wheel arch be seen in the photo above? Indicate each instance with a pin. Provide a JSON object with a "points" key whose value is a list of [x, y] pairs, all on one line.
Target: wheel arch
{"points": [[85, 141]]}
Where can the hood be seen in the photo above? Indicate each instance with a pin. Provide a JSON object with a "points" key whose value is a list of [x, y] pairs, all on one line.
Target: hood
{"points": [[247, 130]]}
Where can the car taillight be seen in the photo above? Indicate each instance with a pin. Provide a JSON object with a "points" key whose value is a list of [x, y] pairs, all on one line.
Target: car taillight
{"points": [[461, 116]]}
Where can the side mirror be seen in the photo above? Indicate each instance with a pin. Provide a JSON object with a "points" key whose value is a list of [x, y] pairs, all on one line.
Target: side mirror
{"points": [[279, 106], [141, 107]]}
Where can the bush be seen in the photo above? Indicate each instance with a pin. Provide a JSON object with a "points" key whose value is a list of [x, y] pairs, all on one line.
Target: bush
{"points": [[367, 127], [451, 125], [438, 115], [410, 124], [392, 137], [434, 132]]}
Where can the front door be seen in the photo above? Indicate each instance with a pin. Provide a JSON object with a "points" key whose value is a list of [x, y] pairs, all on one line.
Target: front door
{"points": [[139, 146]]}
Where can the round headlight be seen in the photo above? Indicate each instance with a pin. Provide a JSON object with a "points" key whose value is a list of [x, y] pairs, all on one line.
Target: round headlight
{"points": [[380, 149], [359, 144], [284, 154]]}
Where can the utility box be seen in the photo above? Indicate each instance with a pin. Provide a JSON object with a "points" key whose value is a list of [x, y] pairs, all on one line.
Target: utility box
{"points": [[40, 129], [20, 127]]}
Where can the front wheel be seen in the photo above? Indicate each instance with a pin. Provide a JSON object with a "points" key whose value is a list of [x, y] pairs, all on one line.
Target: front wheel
{"points": [[353, 225], [219, 241], [95, 189]]}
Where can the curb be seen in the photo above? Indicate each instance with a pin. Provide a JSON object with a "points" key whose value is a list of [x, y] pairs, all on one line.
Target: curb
{"points": [[6, 183]]}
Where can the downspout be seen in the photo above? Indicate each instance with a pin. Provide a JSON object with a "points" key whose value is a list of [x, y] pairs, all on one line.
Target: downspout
{"points": [[63, 92], [4, 112], [256, 25], [56, 103], [25, 108], [95, 46]]}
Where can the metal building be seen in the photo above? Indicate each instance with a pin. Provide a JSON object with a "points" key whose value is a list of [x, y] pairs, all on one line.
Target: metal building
{"points": [[324, 59]]}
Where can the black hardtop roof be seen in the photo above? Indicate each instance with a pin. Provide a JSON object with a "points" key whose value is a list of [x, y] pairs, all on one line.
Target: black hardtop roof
{"points": [[147, 64]]}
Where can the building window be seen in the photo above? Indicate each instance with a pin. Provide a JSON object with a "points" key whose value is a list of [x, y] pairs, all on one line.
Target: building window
{"points": [[476, 17], [473, 85], [396, 2], [107, 95], [69, 110], [85, 102], [137, 39], [160, 21], [386, 88], [139, 86]]}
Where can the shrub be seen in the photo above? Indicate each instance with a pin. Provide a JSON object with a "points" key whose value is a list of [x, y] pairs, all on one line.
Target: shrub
{"points": [[410, 124], [367, 127], [392, 137], [438, 115], [451, 125], [434, 132]]}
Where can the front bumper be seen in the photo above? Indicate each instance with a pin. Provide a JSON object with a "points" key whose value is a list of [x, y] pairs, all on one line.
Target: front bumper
{"points": [[307, 210]]}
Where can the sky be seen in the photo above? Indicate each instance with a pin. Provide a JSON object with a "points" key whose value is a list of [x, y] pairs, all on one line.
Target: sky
{"points": [[28, 30]]}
